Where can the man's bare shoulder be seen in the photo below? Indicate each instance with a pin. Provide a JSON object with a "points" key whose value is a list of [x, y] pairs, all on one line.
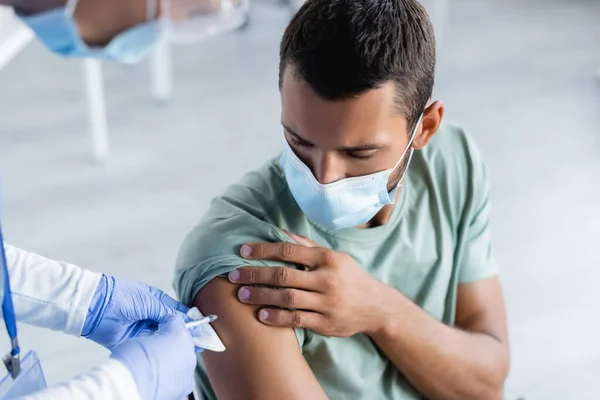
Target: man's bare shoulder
{"points": [[260, 361]]}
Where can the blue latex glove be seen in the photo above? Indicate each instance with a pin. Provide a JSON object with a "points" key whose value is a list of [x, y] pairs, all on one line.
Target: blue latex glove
{"points": [[123, 310], [162, 363]]}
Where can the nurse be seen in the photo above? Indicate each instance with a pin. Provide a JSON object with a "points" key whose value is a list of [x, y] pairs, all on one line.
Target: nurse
{"points": [[152, 351]]}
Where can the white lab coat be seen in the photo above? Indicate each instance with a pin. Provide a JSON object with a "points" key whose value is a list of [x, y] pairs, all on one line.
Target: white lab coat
{"points": [[57, 295]]}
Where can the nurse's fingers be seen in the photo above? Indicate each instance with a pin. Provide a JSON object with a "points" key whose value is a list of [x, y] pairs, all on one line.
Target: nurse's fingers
{"points": [[168, 300]]}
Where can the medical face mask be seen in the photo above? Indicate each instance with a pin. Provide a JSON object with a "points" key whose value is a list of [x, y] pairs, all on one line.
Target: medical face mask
{"points": [[343, 204], [58, 31]]}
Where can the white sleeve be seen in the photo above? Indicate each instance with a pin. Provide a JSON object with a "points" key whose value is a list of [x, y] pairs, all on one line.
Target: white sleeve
{"points": [[47, 293], [111, 380]]}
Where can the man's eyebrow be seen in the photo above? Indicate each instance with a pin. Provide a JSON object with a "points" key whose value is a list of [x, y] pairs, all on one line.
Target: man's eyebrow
{"points": [[295, 135], [363, 147]]}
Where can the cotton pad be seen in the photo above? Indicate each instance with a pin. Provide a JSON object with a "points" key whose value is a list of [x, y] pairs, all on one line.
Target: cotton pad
{"points": [[208, 340]]}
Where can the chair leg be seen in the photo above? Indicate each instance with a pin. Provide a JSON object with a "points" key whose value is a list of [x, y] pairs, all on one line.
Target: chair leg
{"points": [[97, 108], [161, 72]]}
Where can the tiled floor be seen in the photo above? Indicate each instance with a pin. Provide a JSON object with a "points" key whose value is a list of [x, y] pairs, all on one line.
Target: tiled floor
{"points": [[520, 75]]}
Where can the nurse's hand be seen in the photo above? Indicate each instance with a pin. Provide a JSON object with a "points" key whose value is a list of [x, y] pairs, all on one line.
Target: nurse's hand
{"points": [[122, 310], [162, 363]]}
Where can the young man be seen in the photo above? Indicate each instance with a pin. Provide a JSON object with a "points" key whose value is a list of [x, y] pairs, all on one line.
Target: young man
{"points": [[375, 230]]}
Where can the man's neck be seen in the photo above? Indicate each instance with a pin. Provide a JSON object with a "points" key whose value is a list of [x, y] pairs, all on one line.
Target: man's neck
{"points": [[384, 215]]}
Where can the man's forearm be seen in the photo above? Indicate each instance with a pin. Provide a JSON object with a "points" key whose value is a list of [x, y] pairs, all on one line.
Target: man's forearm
{"points": [[442, 362]]}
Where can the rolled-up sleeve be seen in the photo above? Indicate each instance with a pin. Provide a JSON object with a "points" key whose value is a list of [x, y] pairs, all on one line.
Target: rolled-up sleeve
{"points": [[476, 261]]}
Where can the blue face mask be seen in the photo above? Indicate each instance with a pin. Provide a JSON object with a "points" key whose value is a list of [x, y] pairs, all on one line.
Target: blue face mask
{"points": [[343, 204], [58, 31]]}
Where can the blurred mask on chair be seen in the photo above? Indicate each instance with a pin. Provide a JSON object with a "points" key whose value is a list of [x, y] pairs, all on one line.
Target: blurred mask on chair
{"points": [[181, 21]]}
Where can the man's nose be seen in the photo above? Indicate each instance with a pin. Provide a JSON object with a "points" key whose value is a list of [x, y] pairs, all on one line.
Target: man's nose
{"points": [[328, 168]]}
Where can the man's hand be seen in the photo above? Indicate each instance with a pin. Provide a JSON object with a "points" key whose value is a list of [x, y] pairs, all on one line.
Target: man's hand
{"points": [[333, 296]]}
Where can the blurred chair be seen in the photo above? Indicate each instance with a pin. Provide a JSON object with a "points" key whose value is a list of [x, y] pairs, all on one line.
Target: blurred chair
{"points": [[14, 37], [161, 72], [183, 32], [94, 84]]}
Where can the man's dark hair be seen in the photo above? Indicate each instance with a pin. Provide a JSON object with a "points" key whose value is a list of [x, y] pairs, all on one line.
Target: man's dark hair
{"points": [[343, 48]]}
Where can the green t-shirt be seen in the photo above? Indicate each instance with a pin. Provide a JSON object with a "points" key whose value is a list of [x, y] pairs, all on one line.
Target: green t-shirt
{"points": [[438, 237]]}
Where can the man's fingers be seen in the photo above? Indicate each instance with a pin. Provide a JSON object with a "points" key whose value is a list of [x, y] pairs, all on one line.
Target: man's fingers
{"points": [[301, 240], [286, 298], [292, 319], [293, 253], [274, 276]]}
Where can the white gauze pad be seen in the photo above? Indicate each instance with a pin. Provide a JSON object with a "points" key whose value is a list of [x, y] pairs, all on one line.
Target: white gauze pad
{"points": [[208, 340]]}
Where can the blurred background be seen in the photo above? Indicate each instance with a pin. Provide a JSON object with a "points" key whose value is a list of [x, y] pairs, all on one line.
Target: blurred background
{"points": [[521, 76]]}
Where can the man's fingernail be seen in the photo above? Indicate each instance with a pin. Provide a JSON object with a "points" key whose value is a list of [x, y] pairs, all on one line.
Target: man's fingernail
{"points": [[263, 315], [246, 251], [234, 275], [244, 293]]}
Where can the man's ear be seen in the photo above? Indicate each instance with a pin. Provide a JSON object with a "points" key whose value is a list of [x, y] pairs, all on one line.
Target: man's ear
{"points": [[432, 119]]}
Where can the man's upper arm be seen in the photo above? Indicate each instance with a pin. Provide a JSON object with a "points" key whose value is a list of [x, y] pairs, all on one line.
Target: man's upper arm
{"points": [[476, 261], [480, 303], [260, 362], [480, 308]]}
